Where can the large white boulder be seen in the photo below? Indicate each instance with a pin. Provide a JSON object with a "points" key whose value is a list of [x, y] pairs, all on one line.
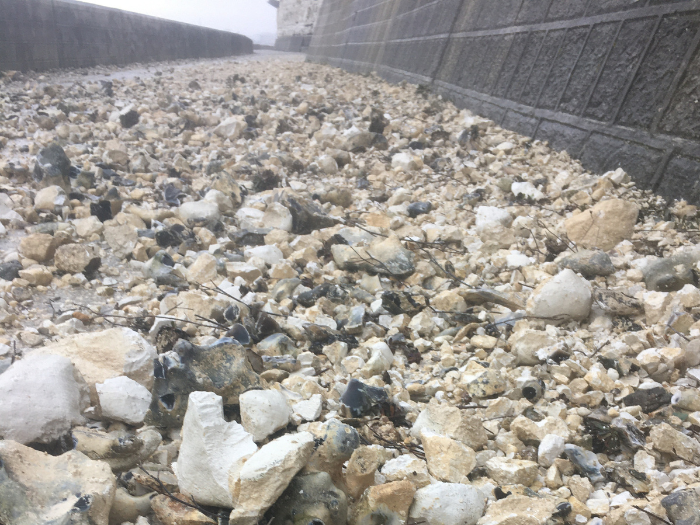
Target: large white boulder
{"points": [[41, 399], [212, 451], [264, 476], [123, 399], [99, 356], [264, 412], [38, 488]]}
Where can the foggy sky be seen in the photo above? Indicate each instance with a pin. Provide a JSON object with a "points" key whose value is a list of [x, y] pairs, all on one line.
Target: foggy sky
{"points": [[248, 17]]}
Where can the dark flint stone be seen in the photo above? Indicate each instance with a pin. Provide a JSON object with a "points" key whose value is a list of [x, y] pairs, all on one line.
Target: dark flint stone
{"points": [[585, 462], [254, 237], [239, 333], [650, 399], [129, 119], [102, 210], [222, 368], [10, 270], [231, 313], [332, 291], [312, 499], [53, 167], [172, 195], [306, 215], [589, 263], [683, 507], [418, 208], [361, 399], [148, 234]]}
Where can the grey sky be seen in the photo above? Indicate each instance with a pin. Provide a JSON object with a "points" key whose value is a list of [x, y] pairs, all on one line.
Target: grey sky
{"points": [[248, 17]]}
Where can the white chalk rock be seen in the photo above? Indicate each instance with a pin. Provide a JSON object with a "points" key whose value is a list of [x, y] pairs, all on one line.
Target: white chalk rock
{"points": [[231, 128], [212, 451], [99, 356], [199, 211], [41, 398], [270, 254], [278, 217], [264, 412], [379, 361], [123, 399], [310, 409], [48, 198], [487, 215], [448, 504], [39, 488], [551, 447], [406, 161], [528, 190], [565, 296], [328, 164], [266, 474]]}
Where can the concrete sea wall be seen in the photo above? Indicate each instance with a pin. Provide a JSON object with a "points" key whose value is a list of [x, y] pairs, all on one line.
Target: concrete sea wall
{"points": [[613, 82], [49, 34]]}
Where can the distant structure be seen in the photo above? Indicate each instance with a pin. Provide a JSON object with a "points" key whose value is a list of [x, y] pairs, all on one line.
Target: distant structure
{"points": [[40, 35], [295, 23]]}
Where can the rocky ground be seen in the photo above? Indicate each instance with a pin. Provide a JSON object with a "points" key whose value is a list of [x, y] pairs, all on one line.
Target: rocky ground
{"points": [[261, 290]]}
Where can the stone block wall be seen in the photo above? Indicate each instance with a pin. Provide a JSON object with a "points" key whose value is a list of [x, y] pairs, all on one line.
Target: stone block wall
{"points": [[48, 34], [616, 83]]}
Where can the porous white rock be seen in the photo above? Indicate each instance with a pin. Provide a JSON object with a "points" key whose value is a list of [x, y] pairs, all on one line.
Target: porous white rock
{"points": [[212, 451], [41, 398], [448, 504], [380, 359], [264, 412], [203, 270], [123, 399], [452, 422]]}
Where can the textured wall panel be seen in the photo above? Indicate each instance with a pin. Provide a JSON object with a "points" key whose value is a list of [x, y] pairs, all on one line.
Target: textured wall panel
{"points": [[50, 34], [613, 82]]}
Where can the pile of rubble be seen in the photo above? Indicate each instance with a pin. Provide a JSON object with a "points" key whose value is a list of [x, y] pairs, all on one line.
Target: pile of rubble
{"points": [[254, 291]]}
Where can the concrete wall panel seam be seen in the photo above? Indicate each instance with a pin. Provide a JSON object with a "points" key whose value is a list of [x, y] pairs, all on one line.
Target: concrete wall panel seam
{"points": [[675, 83]]}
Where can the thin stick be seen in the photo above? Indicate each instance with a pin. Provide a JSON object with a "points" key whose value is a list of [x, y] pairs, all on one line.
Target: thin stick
{"points": [[652, 515]]}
